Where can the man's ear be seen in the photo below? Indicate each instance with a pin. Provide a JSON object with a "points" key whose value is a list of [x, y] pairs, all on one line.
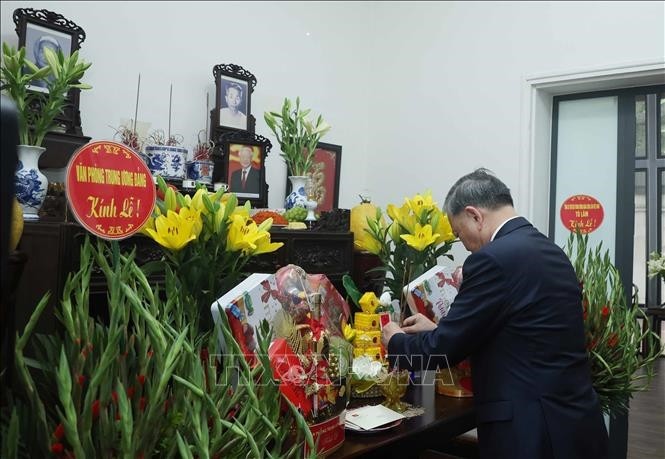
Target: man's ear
{"points": [[474, 213]]}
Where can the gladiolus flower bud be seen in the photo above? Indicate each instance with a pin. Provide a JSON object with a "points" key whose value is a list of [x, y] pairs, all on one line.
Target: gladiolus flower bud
{"points": [[59, 431], [95, 409]]}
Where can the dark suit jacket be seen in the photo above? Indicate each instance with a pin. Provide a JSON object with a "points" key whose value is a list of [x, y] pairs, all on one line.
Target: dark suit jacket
{"points": [[518, 314], [252, 184]]}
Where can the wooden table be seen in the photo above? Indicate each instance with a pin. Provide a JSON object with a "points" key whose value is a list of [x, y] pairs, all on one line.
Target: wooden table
{"points": [[444, 418]]}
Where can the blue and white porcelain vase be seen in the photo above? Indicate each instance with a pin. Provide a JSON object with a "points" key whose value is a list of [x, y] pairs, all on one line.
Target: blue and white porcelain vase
{"points": [[297, 196], [165, 160], [29, 183], [200, 170]]}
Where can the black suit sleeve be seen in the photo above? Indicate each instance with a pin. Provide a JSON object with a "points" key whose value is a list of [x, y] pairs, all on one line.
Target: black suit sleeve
{"points": [[479, 310]]}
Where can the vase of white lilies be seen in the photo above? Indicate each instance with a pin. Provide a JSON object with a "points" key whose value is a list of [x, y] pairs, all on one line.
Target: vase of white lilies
{"points": [[298, 137]]}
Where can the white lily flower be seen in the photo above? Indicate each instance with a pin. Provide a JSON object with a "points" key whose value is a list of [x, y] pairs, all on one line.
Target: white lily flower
{"points": [[366, 368], [385, 299], [322, 128]]}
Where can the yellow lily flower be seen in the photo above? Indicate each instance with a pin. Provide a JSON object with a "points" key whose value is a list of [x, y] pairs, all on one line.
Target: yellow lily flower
{"points": [[263, 245], [368, 302], [349, 333], [396, 213], [402, 215], [421, 238], [421, 203], [243, 234], [150, 223], [196, 202], [242, 211], [368, 243], [443, 228], [194, 216], [172, 231]]}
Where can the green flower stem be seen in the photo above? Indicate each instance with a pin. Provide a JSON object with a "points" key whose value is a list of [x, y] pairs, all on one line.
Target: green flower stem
{"points": [[612, 330]]}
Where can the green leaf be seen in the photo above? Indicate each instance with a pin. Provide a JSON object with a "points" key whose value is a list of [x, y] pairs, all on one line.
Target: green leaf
{"points": [[351, 289]]}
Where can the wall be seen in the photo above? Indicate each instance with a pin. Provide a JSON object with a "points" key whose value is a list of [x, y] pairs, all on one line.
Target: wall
{"points": [[179, 43], [447, 81], [417, 93]]}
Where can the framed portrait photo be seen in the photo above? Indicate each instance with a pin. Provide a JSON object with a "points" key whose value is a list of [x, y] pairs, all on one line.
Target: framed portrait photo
{"points": [[234, 87], [243, 157], [41, 29], [324, 176]]}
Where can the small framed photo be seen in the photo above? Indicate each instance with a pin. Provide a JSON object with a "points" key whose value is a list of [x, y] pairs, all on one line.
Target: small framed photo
{"points": [[324, 176], [244, 167], [41, 29], [234, 87]]}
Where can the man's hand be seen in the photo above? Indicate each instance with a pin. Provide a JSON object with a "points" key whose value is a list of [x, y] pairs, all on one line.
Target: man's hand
{"points": [[418, 323], [387, 332]]}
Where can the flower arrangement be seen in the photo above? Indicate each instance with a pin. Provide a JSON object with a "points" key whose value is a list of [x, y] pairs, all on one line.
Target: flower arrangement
{"points": [[411, 243], [208, 240], [37, 110], [612, 331], [142, 385], [297, 135]]}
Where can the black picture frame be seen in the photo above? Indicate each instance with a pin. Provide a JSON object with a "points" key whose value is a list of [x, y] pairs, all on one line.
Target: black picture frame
{"points": [[324, 175], [232, 82], [228, 154], [37, 29]]}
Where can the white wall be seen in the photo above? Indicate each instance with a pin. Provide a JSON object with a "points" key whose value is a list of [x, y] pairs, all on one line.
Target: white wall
{"points": [[180, 42], [418, 93], [451, 76]]}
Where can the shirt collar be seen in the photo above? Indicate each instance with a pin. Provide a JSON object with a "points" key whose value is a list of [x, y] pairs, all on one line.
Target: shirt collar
{"points": [[501, 226]]}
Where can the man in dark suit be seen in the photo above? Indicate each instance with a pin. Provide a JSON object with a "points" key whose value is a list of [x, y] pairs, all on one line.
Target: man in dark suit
{"points": [[518, 314], [247, 179]]}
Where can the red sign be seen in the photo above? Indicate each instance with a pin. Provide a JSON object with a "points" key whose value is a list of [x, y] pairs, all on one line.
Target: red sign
{"points": [[582, 212], [329, 435], [109, 189]]}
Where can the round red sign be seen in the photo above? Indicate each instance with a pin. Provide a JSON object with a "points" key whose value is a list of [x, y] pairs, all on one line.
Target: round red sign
{"points": [[582, 212], [109, 189]]}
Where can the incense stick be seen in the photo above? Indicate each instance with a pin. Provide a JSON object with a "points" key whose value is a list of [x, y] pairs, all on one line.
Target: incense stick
{"points": [[136, 110], [170, 100], [207, 114]]}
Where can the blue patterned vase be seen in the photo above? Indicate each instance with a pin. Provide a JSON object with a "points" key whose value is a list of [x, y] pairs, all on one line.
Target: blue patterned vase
{"points": [[167, 161], [200, 170], [297, 196], [30, 184]]}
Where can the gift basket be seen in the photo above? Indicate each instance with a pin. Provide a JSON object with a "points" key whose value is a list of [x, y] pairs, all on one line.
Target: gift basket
{"points": [[308, 354]]}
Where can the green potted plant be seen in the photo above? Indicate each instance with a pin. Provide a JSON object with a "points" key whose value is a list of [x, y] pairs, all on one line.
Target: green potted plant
{"points": [[612, 331], [297, 136], [37, 112]]}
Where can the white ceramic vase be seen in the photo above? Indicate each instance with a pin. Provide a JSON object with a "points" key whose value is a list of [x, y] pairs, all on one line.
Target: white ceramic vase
{"points": [[29, 183], [297, 196]]}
